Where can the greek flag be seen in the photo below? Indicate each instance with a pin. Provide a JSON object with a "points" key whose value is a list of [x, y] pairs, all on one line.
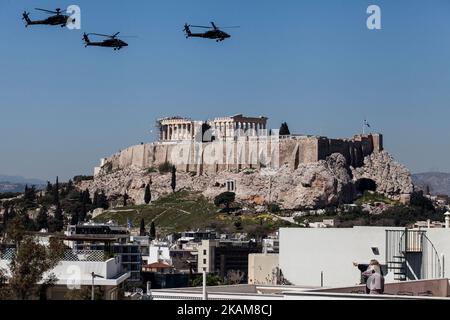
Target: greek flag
{"points": [[129, 223], [366, 123]]}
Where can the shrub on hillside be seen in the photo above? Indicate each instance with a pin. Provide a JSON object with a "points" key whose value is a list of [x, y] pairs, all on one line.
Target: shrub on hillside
{"points": [[165, 167], [273, 208], [226, 199]]}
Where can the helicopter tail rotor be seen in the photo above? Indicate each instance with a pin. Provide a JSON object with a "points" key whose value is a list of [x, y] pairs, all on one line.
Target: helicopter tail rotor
{"points": [[26, 18], [187, 30], [86, 39]]}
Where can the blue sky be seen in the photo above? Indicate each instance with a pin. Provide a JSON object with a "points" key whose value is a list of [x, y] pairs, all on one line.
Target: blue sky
{"points": [[312, 63]]}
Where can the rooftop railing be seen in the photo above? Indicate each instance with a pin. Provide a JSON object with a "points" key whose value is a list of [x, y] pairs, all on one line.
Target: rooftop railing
{"points": [[68, 255]]}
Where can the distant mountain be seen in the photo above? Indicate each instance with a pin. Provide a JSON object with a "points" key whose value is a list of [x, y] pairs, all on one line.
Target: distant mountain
{"points": [[21, 180], [17, 183], [438, 182]]}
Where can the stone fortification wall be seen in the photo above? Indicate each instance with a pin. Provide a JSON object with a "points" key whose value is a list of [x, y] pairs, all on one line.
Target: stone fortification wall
{"points": [[248, 153]]}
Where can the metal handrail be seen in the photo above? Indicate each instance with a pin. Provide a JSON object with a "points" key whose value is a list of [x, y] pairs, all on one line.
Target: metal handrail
{"points": [[435, 258]]}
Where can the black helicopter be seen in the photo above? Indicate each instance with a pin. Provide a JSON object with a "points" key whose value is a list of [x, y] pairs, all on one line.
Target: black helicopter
{"points": [[58, 19], [215, 33], [112, 42]]}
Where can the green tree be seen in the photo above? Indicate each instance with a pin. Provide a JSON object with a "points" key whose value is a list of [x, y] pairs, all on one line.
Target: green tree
{"points": [[42, 219], [153, 230], [67, 189], [83, 213], [103, 201], [226, 199], [57, 224], [30, 262], [27, 223], [234, 277], [142, 228], [164, 167], [273, 208], [29, 197], [49, 188], [56, 192], [5, 292], [6, 217], [74, 219], [125, 199], [15, 232], [173, 183], [238, 225], [85, 293], [418, 200], [211, 281], [147, 195], [87, 197], [284, 129], [95, 200]]}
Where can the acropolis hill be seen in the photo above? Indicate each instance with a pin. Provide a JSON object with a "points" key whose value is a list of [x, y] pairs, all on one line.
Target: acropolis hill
{"points": [[248, 143], [305, 171]]}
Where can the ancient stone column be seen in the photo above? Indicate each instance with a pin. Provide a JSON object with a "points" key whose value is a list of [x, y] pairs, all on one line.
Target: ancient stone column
{"points": [[225, 130]]}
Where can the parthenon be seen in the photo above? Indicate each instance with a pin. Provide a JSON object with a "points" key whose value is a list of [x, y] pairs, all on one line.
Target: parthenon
{"points": [[179, 128]]}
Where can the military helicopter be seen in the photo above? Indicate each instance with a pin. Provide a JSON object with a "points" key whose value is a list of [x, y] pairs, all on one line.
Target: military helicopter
{"points": [[215, 33], [112, 42], [57, 19]]}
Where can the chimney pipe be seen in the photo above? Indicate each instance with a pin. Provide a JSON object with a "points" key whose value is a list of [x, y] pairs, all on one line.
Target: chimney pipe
{"points": [[447, 220]]}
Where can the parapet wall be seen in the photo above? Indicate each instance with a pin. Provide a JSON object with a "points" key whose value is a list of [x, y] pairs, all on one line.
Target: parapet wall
{"points": [[247, 153]]}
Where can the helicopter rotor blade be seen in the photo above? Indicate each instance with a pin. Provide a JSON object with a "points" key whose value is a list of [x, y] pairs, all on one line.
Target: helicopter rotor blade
{"points": [[201, 27], [115, 35], [232, 27], [99, 34], [45, 10]]}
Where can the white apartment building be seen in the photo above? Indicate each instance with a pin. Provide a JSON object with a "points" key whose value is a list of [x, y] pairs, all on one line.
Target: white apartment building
{"points": [[315, 257], [75, 272]]}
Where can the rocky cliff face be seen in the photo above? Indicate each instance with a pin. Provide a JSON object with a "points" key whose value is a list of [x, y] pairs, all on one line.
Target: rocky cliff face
{"points": [[392, 179], [316, 185]]}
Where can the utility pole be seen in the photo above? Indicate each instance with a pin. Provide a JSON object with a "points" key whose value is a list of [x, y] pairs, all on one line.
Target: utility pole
{"points": [[321, 279], [205, 295], [148, 295]]}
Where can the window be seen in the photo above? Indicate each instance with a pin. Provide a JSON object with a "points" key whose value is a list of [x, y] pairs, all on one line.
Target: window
{"points": [[204, 261], [204, 252], [231, 185]]}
